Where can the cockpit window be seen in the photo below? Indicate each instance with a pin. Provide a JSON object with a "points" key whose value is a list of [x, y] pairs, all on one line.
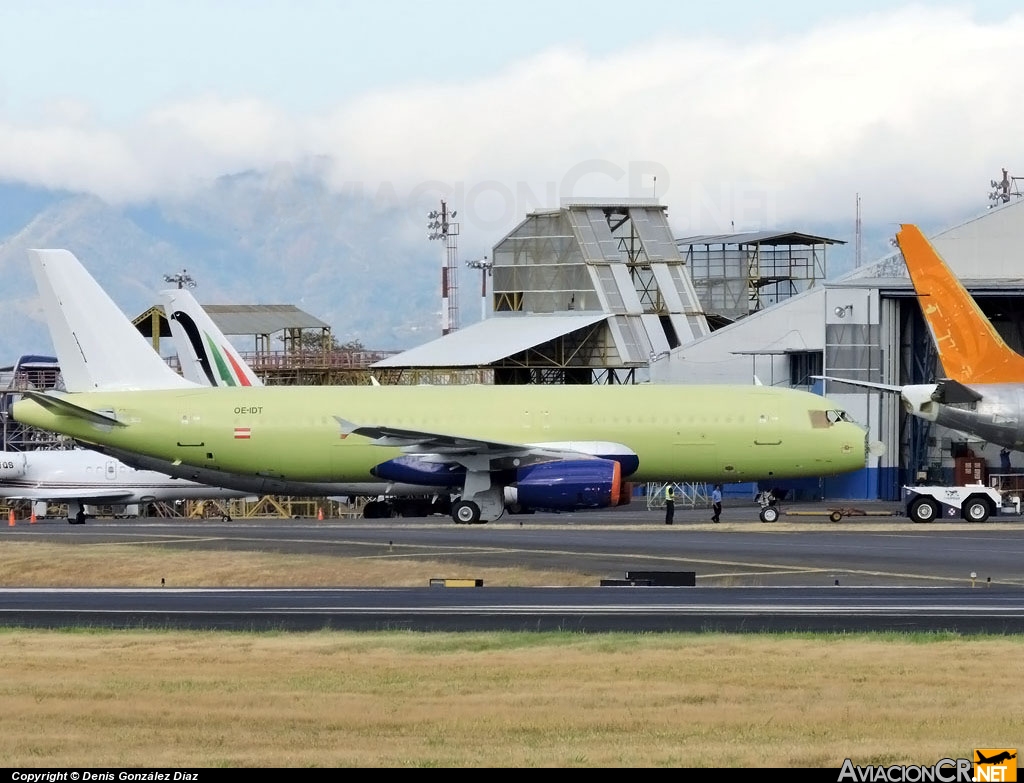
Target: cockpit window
{"points": [[822, 419]]}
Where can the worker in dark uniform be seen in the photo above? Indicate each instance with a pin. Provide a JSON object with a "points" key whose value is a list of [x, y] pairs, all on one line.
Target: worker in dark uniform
{"points": [[716, 503], [670, 503]]}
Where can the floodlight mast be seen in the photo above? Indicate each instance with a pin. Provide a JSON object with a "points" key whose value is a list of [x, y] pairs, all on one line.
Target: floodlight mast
{"points": [[1003, 189], [485, 269], [441, 227], [182, 278]]}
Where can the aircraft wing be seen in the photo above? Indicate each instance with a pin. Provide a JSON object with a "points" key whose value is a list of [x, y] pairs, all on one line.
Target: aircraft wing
{"points": [[86, 495], [438, 447], [946, 390], [866, 384]]}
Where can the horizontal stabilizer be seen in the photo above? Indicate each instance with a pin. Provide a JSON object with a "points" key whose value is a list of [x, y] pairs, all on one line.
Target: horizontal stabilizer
{"points": [[950, 391], [61, 407]]}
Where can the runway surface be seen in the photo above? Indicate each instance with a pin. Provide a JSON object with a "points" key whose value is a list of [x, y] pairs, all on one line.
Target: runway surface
{"points": [[591, 609], [862, 573]]}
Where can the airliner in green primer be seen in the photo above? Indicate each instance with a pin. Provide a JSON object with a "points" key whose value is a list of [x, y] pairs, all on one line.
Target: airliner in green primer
{"points": [[558, 446]]}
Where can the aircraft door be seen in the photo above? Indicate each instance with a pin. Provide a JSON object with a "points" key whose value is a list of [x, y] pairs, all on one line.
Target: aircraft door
{"points": [[191, 431], [768, 431], [110, 470]]}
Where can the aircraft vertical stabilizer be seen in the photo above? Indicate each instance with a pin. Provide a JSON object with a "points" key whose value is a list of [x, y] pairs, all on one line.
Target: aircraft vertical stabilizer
{"points": [[970, 349], [98, 348], [207, 357]]}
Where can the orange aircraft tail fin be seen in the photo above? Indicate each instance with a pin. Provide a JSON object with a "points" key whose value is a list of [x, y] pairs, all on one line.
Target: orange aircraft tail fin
{"points": [[970, 349]]}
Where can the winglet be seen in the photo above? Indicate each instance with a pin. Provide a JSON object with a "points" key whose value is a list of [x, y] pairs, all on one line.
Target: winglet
{"points": [[347, 427], [970, 349]]}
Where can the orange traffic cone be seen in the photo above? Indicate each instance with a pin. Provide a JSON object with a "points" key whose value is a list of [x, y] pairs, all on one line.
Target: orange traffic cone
{"points": [[10, 518], [320, 514], [32, 516]]}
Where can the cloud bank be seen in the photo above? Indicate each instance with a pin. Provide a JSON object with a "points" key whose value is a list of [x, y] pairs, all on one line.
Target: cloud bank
{"points": [[914, 110]]}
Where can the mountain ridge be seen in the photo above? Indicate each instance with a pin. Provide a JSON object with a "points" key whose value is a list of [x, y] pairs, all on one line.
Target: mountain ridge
{"points": [[280, 236]]}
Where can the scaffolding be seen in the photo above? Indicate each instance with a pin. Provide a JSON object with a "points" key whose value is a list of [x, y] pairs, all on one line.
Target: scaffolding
{"points": [[274, 507], [615, 256], [693, 495], [587, 293], [334, 367], [738, 274], [29, 373]]}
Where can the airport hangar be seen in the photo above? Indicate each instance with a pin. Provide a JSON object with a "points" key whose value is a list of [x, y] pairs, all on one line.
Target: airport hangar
{"points": [[599, 291]]}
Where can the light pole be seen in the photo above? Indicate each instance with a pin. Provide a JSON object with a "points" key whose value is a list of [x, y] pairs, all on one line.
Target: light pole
{"points": [[442, 228], [485, 269], [1003, 189], [182, 278]]}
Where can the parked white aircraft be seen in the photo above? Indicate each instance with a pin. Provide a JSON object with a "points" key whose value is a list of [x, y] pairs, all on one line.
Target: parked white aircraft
{"points": [[84, 479]]}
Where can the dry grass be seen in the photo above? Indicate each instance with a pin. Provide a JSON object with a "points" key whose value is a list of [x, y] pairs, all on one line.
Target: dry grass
{"points": [[40, 564], [171, 699], [335, 699]]}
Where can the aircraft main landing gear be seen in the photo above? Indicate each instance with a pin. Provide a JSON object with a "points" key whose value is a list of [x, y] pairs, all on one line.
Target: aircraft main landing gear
{"points": [[466, 512], [480, 501]]}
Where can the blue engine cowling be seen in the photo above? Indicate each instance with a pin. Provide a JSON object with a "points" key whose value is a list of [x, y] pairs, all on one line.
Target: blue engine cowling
{"points": [[416, 470], [566, 485]]}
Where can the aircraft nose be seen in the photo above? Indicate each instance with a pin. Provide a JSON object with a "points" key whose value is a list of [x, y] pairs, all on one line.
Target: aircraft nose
{"points": [[871, 448], [857, 443]]}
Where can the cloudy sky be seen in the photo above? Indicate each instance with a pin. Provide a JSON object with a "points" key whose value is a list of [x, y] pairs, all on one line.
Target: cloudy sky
{"points": [[732, 113]]}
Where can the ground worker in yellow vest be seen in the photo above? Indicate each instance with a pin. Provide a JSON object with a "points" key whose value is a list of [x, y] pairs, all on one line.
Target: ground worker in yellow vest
{"points": [[670, 503]]}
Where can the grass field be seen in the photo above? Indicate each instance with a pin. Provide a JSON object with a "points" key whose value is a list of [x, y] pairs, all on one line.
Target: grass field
{"points": [[156, 698]]}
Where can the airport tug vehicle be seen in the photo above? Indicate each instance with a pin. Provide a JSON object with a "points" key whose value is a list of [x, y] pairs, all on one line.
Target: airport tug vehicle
{"points": [[972, 502]]}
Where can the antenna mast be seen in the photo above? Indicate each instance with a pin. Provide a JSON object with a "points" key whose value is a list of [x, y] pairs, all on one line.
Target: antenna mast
{"points": [[858, 243]]}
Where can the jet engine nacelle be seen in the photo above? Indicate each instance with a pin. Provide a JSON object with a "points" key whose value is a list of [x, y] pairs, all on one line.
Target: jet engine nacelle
{"points": [[416, 470], [12, 465], [920, 401], [567, 485]]}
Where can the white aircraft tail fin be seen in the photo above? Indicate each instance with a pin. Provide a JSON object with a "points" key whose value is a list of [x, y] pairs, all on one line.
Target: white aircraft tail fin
{"points": [[207, 357], [97, 347]]}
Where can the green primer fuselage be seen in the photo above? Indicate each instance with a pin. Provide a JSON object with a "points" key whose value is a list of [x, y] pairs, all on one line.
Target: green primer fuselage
{"points": [[679, 432]]}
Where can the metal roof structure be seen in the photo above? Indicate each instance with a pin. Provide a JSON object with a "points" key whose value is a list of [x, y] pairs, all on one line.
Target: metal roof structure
{"points": [[740, 273], [234, 320], [491, 340], [241, 319], [614, 260], [773, 238], [261, 319]]}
